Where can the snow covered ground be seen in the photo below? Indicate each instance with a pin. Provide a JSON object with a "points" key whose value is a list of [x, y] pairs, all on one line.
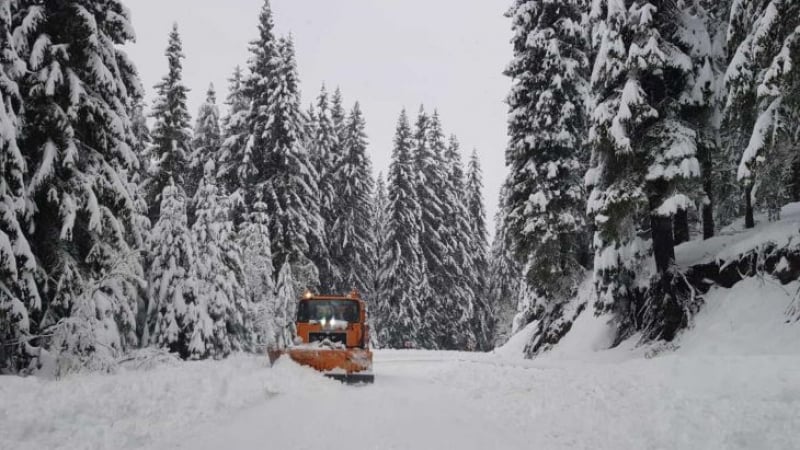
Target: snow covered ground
{"points": [[733, 383], [735, 240]]}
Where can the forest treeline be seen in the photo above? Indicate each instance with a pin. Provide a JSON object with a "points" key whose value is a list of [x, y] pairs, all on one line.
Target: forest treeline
{"points": [[127, 226]]}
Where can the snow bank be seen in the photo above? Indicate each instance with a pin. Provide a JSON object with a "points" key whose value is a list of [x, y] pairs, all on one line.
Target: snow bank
{"points": [[734, 240], [748, 319], [588, 337], [515, 346], [134, 408], [589, 333]]}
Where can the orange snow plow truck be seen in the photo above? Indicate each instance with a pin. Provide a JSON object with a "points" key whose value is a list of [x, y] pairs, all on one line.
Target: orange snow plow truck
{"points": [[332, 337]]}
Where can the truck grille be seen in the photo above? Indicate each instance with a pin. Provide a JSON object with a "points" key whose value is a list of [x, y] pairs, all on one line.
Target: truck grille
{"points": [[332, 337]]}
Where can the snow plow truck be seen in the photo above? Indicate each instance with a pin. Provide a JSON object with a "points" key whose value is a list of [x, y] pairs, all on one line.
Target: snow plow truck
{"points": [[332, 337]]}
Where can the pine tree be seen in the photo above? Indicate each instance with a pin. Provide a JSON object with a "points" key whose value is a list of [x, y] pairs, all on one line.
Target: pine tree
{"points": [[506, 283], [143, 140], [433, 288], [507, 286], [138, 186], [546, 126], [458, 302], [219, 272], [171, 132], [644, 160], [339, 117], [254, 239], [380, 226], [257, 161], [19, 296], [325, 153], [275, 163], [174, 320], [351, 234], [77, 141], [284, 310], [482, 322], [401, 265], [291, 192], [545, 203], [206, 145], [235, 134]]}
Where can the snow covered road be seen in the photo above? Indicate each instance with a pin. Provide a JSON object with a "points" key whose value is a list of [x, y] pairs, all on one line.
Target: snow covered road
{"points": [[451, 400], [409, 406], [420, 400]]}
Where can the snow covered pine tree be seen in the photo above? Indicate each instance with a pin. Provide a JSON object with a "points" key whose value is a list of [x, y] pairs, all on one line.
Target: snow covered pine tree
{"points": [[276, 163], [545, 203], [232, 165], [460, 305], [325, 151], [351, 233], [172, 284], [482, 319], [171, 133], [76, 137], [205, 146], [19, 295], [435, 296], [219, 295], [645, 165], [401, 264]]}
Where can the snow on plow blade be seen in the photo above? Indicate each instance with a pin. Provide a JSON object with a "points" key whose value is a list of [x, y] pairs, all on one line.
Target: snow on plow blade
{"points": [[352, 365]]}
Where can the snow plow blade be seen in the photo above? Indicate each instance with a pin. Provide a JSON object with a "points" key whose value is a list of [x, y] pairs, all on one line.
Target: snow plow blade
{"points": [[352, 378], [351, 366]]}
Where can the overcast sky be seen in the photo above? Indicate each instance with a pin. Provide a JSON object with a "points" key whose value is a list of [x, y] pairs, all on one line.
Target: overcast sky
{"points": [[387, 54]]}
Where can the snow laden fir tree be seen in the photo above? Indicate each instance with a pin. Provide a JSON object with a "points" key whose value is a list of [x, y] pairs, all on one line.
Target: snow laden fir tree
{"points": [[70, 221], [544, 201], [172, 136], [219, 272]]}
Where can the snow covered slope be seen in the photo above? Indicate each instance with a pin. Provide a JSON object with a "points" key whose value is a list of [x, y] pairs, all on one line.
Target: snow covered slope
{"points": [[734, 240], [751, 317], [748, 319]]}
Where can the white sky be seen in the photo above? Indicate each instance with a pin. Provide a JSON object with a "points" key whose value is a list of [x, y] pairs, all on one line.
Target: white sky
{"points": [[387, 54]]}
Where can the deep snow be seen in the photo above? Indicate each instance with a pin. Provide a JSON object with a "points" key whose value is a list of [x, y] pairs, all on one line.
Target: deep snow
{"points": [[735, 240]]}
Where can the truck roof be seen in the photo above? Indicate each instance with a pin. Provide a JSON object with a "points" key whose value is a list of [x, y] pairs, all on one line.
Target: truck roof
{"points": [[353, 296]]}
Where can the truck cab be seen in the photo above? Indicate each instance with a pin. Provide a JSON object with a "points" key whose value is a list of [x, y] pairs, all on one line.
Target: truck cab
{"points": [[334, 320]]}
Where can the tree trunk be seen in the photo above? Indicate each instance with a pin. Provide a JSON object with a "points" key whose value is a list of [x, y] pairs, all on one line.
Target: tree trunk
{"points": [[681, 226], [795, 189], [708, 203], [708, 220], [749, 219], [663, 243]]}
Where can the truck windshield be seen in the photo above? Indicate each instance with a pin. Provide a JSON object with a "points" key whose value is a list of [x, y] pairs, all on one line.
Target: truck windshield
{"points": [[316, 310]]}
